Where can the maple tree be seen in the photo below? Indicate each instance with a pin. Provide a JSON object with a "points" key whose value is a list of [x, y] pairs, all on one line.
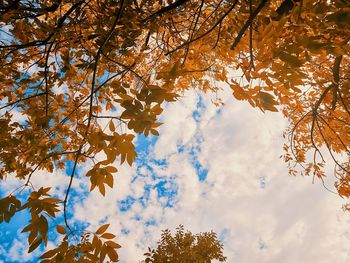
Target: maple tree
{"points": [[186, 247], [70, 67]]}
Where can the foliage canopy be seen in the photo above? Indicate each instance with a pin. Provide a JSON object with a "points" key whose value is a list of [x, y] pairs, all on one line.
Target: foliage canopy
{"points": [[186, 247], [70, 66]]}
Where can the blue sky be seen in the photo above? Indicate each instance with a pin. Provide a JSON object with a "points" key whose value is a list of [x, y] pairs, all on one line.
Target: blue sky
{"points": [[210, 169]]}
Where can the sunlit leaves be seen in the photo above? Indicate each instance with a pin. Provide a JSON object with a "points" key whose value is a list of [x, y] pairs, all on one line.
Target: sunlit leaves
{"points": [[115, 145], [241, 94], [121, 145], [100, 176], [92, 247], [142, 111], [185, 246]]}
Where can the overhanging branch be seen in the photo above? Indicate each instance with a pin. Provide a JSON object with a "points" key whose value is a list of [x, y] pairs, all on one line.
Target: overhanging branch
{"points": [[248, 23]]}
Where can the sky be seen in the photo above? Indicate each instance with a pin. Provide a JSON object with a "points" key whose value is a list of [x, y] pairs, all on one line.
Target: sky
{"points": [[211, 168]]}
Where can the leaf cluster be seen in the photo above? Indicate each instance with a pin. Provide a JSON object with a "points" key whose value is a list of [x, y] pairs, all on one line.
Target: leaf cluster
{"points": [[186, 247]]}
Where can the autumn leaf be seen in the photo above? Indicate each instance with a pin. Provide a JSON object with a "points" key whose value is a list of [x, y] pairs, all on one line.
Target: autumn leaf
{"points": [[112, 244], [108, 236], [102, 229], [61, 230], [199, 247]]}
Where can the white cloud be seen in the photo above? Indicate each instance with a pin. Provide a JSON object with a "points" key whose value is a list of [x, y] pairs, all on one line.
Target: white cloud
{"points": [[18, 252], [290, 220], [179, 126], [261, 213]]}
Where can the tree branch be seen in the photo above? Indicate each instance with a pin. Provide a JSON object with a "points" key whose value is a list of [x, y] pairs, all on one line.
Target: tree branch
{"points": [[47, 39], [68, 189], [248, 23], [284, 8], [41, 10], [334, 85], [20, 100], [167, 8], [207, 32]]}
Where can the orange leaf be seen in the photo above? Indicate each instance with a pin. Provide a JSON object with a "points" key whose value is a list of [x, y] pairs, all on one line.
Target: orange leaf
{"points": [[108, 236], [112, 244], [113, 255], [102, 229]]}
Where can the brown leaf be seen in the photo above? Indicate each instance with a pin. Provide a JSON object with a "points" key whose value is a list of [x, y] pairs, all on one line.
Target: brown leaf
{"points": [[61, 229], [108, 236], [102, 229], [112, 244]]}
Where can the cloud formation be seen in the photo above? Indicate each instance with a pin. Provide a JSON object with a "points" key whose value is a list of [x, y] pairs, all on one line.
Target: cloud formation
{"points": [[218, 169], [260, 213]]}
